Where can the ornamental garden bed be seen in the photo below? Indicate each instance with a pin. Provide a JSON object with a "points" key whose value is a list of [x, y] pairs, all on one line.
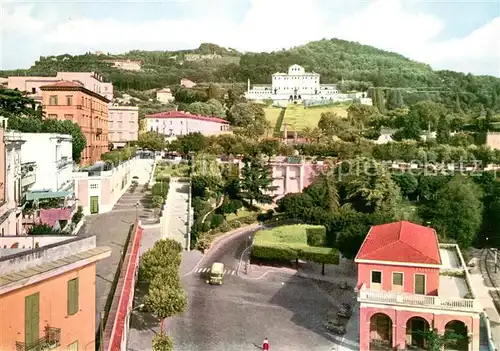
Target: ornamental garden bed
{"points": [[286, 245]]}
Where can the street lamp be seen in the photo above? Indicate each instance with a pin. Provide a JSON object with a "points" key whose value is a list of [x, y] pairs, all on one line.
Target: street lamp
{"points": [[136, 211], [127, 321]]}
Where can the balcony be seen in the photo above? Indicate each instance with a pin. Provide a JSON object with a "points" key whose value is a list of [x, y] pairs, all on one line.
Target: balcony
{"points": [[63, 162], [424, 301], [50, 341], [98, 131]]}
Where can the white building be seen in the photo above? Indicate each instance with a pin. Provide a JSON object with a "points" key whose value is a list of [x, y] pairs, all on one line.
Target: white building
{"points": [[47, 163], [127, 65], [13, 141], [164, 96], [297, 85], [175, 123]]}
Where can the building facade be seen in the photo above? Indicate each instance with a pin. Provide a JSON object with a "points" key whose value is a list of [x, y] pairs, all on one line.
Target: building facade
{"points": [[176, 123], [50, 283], [99, 187], [90, 80], [13, 142], [186, 83], [52, 168], [164, 96], [127, 65], [409, 285], [300, 86], [66, 100], [123, 125]]}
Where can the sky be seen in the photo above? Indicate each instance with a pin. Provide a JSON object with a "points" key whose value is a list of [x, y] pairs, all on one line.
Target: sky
{"points": [[460, 35]]}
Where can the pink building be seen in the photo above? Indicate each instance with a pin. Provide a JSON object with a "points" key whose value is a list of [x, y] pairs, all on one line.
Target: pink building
{"points": [[186, 83], [90, 80], [123, 124], [409, 284], [175, 123]]}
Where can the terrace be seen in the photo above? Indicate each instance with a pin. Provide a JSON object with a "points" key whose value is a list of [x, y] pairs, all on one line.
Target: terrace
{"points": [[455, 291]]}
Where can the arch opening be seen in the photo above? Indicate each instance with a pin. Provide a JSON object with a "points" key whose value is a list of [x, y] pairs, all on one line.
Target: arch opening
{"points": [[380, 332], [456, 336], [416, 333]]}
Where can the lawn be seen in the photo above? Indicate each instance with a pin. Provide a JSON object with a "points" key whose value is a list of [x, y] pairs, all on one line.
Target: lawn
{"points": [[241, 213], [298, 117], [292, 242], [272, 114], [165, 169]]}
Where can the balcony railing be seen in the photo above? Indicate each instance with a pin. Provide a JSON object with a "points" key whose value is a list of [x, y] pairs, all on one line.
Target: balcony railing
{"points": [[51, 340], [63, 162], [99, 131], [28, 179], [434, 302]]}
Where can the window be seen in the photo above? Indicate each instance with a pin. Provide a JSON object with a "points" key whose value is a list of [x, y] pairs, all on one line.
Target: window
{"points": [[73, 346], [68, 117], [376, 277], [94, 186], [420, 284], [53, 116], [72, 296], [69, 100], [397, 281], [33, 90], [53, 100]]}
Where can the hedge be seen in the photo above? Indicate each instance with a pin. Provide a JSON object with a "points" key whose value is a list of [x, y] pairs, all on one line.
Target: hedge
{"points": [[160, 188], [319, 254], [316, 236], [275, 252]]}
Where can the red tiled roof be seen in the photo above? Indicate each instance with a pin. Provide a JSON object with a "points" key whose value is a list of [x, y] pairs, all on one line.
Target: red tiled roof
{"points": [[63, 84], [181, 114], [401, 242]]}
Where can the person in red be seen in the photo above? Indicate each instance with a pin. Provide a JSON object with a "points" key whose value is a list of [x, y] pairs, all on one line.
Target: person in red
{"points": [[265, 344]]}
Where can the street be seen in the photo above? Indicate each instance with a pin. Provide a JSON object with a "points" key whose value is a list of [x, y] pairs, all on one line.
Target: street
{"points": [[288, 310]]}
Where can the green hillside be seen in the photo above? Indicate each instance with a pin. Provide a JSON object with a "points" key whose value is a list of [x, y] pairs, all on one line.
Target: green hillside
{"points": [[359, 66]]}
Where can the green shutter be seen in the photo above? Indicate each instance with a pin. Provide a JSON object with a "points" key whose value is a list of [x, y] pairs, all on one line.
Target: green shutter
{"points": [[73, 296], [31, 318]]}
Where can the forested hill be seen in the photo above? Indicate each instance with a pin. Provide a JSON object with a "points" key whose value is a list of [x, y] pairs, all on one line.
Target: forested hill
{"points": [[334, 59]]}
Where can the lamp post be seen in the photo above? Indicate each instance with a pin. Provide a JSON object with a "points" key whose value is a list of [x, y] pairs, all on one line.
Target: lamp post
{"points": [[136, 211], [127, 321], [188, 222]]}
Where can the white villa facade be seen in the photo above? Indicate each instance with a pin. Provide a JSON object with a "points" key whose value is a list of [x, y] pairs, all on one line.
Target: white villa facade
{"points": [[298, 85]]}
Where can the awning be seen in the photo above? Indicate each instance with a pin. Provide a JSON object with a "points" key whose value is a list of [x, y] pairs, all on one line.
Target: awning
{"points": [[37, 195]]}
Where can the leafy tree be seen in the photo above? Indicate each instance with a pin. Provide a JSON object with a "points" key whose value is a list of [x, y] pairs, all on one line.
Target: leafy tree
{"points": [[407, 182], [192, 142], [165, 301], [161, 342], [458, 211], [152, 140], [394, 99], [13, 103], [443, 131], [37, 125], [249, 119], [294, 205], [411, 127], [269, 147], [490, 231], [213, 91], [428, 113], [156, 202], [256, 182]]}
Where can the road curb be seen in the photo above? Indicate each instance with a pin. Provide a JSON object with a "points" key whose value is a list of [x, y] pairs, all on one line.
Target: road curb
{"points": [[221, 239]]}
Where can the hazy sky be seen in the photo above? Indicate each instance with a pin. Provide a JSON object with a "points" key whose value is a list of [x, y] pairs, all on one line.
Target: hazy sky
{"points": [[457, 35]]}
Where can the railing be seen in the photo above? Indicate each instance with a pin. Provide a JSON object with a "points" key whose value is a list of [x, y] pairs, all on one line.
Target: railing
{"points": [[99, 131], [51, 340], [28, 179], [366, 295], [64, 161]]}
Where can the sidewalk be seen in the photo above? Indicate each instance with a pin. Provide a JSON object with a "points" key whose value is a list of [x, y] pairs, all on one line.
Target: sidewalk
{"points": [[175, 224], [489, 308]]}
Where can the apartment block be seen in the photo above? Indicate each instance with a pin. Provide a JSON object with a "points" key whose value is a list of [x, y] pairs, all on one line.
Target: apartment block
{"points": [[49, 283], [123, 124], [90, 80], [66, 100], [409, 285]]}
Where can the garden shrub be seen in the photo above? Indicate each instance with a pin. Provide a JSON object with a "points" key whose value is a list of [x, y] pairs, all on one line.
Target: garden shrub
{"points": [[274, 252], [316, 236], [319, 255], [216, 221], [160, 189], [234, 224], [225, 227]]}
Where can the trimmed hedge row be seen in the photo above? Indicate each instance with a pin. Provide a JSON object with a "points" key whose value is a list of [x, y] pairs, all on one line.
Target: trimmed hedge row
{"points": [[285, 252]]}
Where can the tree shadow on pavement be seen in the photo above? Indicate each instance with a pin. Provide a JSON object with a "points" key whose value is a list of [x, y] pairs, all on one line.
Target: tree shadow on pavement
{"points": [[142, 320], [313, 305]]}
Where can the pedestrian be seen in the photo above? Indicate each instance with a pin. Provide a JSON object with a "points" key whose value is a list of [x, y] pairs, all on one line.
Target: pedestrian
{"points": [[265, 344]]}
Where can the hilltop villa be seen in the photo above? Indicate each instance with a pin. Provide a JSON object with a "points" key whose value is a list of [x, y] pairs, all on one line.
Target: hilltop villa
{"points": [[299, 85]]}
